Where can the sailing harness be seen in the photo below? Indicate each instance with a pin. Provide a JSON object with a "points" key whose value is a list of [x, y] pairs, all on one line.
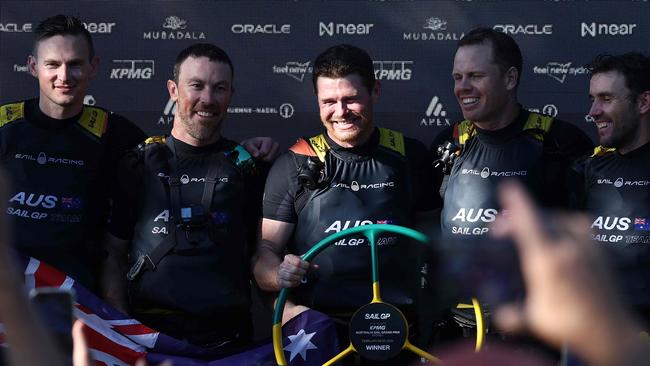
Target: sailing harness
{"points": [[190, 223], [536, 126]]}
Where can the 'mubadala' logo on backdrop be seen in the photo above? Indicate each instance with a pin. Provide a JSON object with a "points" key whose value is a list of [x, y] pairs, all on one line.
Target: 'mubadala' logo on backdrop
{"points": [[393, 70], [174, 28], [435, 30]]}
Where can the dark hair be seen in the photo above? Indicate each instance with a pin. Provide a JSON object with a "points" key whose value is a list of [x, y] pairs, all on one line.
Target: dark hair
{"points": [[62, 25], [505, 50], [634, 66], [212, 52], [342, 60]]}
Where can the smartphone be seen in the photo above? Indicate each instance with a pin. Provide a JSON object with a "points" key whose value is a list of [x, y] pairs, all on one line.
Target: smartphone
{"points": [[54, 306], [485, 268]]}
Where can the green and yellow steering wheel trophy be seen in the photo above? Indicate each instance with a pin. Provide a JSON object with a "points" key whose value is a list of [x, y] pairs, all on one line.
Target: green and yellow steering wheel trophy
{"points": [[378, 330]]}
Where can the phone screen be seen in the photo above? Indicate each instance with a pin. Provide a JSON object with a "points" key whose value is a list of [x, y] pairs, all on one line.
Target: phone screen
{"points": [[54, 305], [484, 268]]}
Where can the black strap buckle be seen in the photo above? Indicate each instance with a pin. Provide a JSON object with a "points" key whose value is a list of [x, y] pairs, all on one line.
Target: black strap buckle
{"points": [[142, 262]]}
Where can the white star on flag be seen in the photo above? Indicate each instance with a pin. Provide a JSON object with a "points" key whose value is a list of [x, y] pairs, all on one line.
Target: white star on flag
{"points": [[300, 344]]}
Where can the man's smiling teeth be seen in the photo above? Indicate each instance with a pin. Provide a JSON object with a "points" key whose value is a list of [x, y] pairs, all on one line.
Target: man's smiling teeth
{"points": [[205, 114], [469, 100], [601, 125]]}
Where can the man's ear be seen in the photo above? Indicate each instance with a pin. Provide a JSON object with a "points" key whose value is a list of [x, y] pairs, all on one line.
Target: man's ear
{"points": [[511, 77], [644, 102], [172, 88], [94, 66], [31, 65], [376, 90]]}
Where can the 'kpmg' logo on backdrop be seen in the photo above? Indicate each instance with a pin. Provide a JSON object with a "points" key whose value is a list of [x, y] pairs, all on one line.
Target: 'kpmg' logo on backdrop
{"points": [[132, 69], [393, 70]]}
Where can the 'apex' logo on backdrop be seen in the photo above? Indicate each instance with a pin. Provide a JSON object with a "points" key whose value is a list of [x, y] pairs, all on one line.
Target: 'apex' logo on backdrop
{"points": [[435, 115]]}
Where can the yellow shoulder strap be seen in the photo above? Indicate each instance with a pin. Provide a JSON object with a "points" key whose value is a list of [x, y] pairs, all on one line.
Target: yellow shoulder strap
{"points": [[11, 112], [94, 120], [387, 138], [466, 130], [538, 122], [155, 140], [393, 140], [320, 146], [601, 150]]}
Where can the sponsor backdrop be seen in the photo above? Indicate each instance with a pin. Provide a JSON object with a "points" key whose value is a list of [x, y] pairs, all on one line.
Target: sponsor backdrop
{"points": [[273, 45]]}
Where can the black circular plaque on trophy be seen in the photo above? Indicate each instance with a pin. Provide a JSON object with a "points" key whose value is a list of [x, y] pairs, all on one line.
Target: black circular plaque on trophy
{"points": [[378, 331]]}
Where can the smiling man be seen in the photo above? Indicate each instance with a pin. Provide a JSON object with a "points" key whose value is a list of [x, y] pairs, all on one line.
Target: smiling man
{"points": [[614, 183], [62, 155], [187, 213], [499, 139], [352, 174]]}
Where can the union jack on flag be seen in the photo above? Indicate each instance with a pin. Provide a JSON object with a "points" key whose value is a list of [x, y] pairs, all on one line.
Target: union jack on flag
{"points": [[118, 340], [641, 224], [71, 203]]}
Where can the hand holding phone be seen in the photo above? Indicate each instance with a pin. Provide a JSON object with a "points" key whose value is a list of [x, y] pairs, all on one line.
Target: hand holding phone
{"points": [[54, 305]]}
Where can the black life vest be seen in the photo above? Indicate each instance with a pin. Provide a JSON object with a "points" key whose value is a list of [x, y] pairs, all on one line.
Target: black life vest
{"points": [[57, 201], [358, 190], [470, 202], [210, 275], [618, 197]]}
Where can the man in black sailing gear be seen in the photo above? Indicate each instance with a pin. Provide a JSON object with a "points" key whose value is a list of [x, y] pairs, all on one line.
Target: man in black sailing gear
{"points": [[61, 155], [613, 184], [188, 214], [352, 174], [499, 139]]}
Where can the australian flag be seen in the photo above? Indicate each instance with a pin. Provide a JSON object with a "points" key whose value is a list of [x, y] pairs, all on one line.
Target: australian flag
{"points": [[71, 203], [115, 339], [642, 224]]}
